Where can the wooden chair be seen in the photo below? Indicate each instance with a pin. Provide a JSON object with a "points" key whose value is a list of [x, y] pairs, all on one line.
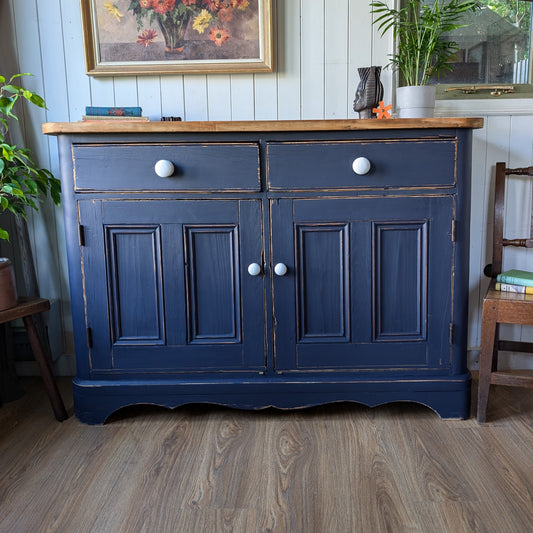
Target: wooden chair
{"points": [[25, 309], [502, 307]]}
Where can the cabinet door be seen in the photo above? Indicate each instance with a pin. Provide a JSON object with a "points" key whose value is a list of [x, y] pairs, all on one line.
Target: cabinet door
{"points": [[166, 284], [369, 283]]}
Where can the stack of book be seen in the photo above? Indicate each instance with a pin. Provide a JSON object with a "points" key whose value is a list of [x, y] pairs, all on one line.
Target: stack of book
{"points": [[520, 281], [133, 114]]}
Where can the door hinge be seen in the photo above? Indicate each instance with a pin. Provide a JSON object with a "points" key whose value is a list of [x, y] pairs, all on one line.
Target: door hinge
{"points": [[451, 333], [89, 337], [454, 224], [81, 234]]}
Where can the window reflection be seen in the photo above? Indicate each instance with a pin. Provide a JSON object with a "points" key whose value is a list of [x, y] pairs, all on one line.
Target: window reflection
{"points": [[495, 45]]}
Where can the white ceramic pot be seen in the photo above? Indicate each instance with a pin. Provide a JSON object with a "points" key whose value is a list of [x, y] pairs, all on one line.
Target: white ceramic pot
{"points": [[416, 101]]}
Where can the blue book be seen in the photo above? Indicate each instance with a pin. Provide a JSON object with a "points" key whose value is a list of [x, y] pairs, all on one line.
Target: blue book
{"points": [[516, 277], [113, 111]]}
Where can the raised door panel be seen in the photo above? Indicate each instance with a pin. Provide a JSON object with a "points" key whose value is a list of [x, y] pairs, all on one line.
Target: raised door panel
{"points": [[369, 283], [135, 283], [165, 287], [400, 252], [322, 283], [212, 284]]}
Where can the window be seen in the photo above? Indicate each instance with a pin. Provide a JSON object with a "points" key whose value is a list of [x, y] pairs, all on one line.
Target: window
{"points": [[494, 49]]}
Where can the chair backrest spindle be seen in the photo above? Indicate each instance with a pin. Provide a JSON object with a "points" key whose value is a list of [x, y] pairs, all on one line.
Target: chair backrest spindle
{"points": [[499, 241]]}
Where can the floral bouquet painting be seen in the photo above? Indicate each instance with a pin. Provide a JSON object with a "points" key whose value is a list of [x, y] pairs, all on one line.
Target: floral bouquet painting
{"points": [[134, 36]]}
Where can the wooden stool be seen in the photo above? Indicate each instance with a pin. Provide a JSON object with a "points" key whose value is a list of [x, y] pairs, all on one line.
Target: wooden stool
{"points": [[25, 308]]}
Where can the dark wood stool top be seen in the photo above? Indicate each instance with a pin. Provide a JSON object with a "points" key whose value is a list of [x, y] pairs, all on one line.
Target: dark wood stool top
{"points": [[25, 307]]}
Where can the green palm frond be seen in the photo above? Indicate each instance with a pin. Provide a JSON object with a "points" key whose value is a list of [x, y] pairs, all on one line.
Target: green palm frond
{"points": [[419, 29]]}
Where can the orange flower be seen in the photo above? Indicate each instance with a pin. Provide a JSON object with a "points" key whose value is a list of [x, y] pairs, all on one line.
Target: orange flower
{"points": [[225, 14], [146, 37], [219, 36], [145, 4], [162, 6], [382, 110], [212, 5]]}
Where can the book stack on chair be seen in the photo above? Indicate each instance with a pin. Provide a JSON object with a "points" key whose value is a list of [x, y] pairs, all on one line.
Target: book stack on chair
{"points": [[133, 114], [520, 281]]}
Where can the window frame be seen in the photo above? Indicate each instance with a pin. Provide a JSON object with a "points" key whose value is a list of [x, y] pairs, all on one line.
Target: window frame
{"points": [[483, 92]]}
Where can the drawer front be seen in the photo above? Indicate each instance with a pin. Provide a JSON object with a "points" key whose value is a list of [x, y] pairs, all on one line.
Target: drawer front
{"points": [[328, 165], [197, 167]]}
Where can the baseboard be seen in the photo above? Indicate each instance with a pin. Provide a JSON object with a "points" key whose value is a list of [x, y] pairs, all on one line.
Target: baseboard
{"points": [[64, 366]]}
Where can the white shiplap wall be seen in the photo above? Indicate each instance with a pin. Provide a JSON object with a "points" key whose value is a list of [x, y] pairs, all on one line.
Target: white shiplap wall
{"points": [[318, 45]]}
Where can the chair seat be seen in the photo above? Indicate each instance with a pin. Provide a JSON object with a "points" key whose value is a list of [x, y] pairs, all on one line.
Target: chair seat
{"points": [[510, 307]]}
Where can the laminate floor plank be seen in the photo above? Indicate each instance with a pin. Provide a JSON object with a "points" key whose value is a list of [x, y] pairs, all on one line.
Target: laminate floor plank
{"points": [[436, 471], [169, 468], [467, 517], [339, 468], [507, 466], [382, 484]]}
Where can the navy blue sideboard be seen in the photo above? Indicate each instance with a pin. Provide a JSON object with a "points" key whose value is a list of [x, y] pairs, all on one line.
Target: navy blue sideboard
{"points": [[259, 264]]}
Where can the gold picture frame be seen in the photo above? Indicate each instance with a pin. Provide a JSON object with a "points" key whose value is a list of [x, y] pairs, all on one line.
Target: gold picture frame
{"points": [[150, 37]]}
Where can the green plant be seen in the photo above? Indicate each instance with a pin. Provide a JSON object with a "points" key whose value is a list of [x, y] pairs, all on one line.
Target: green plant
{"points": [[423, 51], [22, 182]]}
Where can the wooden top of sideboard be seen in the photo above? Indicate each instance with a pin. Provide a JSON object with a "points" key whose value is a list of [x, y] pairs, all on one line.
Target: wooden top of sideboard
{"points": [[103, 126]]}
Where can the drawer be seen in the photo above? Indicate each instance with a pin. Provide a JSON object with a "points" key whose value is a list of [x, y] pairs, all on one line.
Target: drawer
{"points": [[197, 167], [394, 164]]}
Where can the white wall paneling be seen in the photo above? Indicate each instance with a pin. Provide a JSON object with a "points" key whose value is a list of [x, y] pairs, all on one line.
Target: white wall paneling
{"points": [[172, 102], [336, 59], [219, 97], [287, 59], [49, 76], [149, 93], [242, 97], [126, 91], [195, 96], [318, 46], [312, 83], [265, 97]]}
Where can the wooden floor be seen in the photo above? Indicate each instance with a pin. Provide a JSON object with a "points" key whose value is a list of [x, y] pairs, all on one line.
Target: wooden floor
{"points": [[333, 469]]}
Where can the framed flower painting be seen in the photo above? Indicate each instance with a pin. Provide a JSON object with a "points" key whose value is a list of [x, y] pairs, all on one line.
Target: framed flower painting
{"points": [[135, 37]]}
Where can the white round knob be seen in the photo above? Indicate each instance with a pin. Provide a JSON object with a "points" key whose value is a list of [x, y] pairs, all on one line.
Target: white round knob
{"points": [[254, 269], [164, 168], [280, 269], [361, 165]]}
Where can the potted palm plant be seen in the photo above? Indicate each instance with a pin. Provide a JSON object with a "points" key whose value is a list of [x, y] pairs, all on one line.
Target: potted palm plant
{"points": [[22, 182], [423, 52]]}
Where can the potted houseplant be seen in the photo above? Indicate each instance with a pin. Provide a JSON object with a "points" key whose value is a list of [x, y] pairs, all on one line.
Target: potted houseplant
{"points": [[22, 182], [422, 51]]}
